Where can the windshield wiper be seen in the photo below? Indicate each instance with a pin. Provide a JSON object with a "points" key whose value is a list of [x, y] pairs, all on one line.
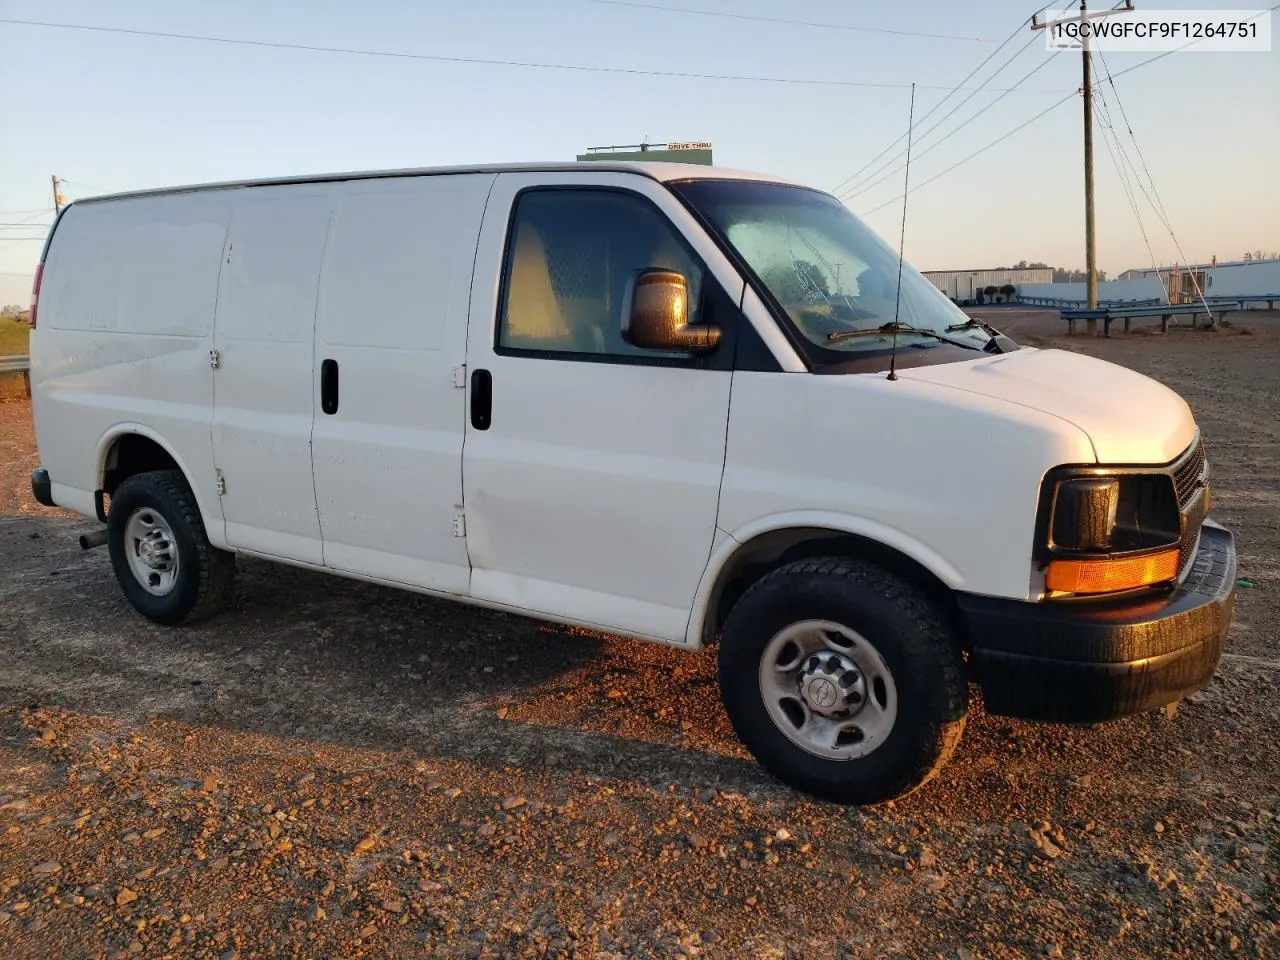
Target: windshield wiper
{"points": [[891, 326], [999, 343], [976, 322]]}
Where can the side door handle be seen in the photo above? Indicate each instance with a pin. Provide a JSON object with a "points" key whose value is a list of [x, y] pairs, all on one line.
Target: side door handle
{"points": [[329, 386], [481, 399]]}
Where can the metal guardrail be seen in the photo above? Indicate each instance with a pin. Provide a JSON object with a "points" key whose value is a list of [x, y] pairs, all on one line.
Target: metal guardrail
{"points": [[20, 365], [1270, 299], [1165, 312], [1064, 303]]}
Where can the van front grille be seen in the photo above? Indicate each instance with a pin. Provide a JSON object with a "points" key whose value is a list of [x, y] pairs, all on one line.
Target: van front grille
{"points": [[1189, 482], [1187, 474], [1187, 549]]}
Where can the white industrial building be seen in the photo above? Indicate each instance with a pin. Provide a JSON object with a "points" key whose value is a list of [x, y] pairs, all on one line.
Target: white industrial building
{"points": [[1134, 291], [966, 284], [1257, 282]]}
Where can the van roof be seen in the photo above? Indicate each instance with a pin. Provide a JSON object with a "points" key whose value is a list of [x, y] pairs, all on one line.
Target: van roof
{"points": [[662, 172]]}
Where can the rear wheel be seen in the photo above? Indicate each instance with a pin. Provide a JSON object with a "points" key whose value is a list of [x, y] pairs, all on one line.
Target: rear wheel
{"points": [[843, 680], [159, 551]]}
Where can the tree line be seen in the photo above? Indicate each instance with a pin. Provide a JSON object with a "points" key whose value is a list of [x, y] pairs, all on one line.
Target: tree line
{"points": [[1060, 274]]}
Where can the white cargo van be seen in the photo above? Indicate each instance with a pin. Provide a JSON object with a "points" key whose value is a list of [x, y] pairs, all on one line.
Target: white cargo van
{"points": [[650, 399]]}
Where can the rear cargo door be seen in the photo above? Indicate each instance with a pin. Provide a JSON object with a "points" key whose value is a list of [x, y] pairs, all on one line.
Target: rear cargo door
{"points": [[263, 350]]}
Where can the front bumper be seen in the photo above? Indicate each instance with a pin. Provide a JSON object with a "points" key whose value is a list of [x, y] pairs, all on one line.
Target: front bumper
{"points": [[1088, 662]]}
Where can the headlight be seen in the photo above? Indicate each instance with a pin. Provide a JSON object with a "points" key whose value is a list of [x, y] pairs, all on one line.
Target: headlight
{"points": [[1114, 514], [1103, 533]]}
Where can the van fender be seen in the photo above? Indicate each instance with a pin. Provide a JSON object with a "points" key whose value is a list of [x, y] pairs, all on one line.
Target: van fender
{"points": [[214, 531], [840, 523]]}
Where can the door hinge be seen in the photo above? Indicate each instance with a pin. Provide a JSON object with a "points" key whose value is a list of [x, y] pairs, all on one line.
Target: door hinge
{"points": [[460, 376], [459, 525], [215, 359], [222, 482]]}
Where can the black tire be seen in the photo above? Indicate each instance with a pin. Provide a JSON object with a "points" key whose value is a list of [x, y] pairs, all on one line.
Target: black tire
{"points": [[204, 573], [913, 641]]}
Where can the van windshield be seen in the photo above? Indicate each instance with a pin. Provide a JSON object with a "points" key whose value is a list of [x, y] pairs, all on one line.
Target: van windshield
{"points": [[823, 268]]}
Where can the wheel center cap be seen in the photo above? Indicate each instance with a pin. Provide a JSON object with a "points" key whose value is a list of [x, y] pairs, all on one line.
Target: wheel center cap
{"points": [[832, 685], [821, 692], [153, 550]]}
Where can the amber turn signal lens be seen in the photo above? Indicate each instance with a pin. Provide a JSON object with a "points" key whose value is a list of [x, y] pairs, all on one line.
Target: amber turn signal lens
{"points": [[1108, 576]]}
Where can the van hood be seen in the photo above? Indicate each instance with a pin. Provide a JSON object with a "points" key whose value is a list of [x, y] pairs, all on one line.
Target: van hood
{"points": [[1130, 418]]}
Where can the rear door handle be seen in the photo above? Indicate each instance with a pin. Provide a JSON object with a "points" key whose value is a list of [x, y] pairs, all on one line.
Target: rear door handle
{"points": [[329, 386], [481, 399]]}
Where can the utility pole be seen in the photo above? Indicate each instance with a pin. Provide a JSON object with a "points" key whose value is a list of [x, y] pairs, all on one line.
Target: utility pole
{"points": [[1090, 237], [1086, 90], [57, 195]]}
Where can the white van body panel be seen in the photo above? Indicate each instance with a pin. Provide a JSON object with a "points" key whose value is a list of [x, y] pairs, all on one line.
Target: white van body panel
{"points": [[1130, 418], [593, 493], [126, 326], [392, 313], [264, 401], [898, 462]]}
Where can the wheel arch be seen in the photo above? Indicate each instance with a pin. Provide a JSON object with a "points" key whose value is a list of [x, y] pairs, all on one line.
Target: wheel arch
{"points": [[753, 551], [128, 449]]}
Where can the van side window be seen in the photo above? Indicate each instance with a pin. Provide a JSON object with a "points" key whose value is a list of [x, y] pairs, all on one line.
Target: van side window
{"points": [[570, 255]]}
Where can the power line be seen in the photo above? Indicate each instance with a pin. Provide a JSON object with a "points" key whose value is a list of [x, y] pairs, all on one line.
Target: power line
{"points": [[788, 22], [1045, 112], [477, 61], [998, 140], [953, 92], [1192, 43], [864, 186], [1156, 204], [935, 107], [35, 216], [1116, 155], [865, 183], [1109, 124]]}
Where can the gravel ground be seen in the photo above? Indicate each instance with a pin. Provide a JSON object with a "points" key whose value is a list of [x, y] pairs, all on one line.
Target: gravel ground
{"points": [[332, 769]]}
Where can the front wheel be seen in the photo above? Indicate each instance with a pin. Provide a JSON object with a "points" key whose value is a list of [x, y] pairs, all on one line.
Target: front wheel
{"points": [[843, 680], [159, 552]]}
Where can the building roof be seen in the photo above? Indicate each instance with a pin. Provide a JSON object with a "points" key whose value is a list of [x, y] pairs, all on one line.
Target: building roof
{"points": [[662, 172], [984, 269], [991, 270], [1200, 266]]}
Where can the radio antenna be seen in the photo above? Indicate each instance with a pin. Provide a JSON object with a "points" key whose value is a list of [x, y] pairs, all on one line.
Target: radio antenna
{"points": [[902, 240]]}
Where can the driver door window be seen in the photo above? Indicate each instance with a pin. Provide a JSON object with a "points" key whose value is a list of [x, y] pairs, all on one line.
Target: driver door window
{"points": [[569, 257]]}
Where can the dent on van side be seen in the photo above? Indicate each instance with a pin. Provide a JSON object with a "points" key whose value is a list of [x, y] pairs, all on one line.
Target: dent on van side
{"points": [[649, 399]]}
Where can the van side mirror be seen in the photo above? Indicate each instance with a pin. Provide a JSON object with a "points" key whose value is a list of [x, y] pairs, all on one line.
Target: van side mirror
{"points": [[655, 314]]}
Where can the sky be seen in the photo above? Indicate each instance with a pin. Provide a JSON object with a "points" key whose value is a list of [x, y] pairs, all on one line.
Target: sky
{"points": [[109, 112]]}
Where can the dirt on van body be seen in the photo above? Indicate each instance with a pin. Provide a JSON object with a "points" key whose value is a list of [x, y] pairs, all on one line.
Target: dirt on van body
{"points": [[331, 769]]}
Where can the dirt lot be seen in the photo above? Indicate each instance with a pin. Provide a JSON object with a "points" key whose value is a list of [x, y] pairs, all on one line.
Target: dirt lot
{"points": [[331, 769]]}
